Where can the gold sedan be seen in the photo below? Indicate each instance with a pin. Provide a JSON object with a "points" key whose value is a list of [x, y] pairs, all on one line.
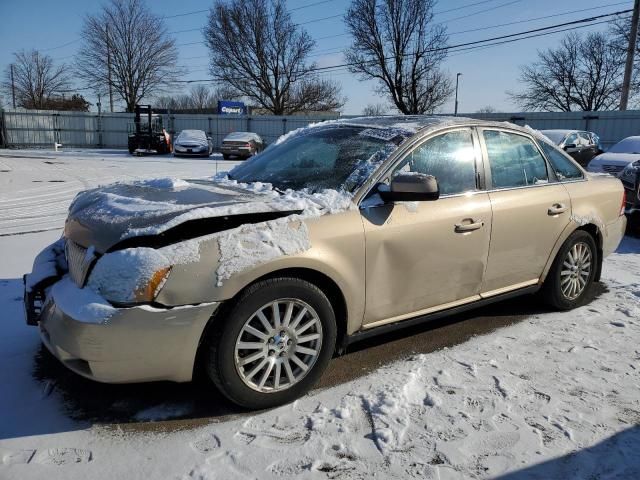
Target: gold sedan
{"points": [[338, 231]]}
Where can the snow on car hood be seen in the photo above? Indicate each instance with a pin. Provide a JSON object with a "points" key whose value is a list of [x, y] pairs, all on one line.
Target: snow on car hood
{"points": [[119, 214]]}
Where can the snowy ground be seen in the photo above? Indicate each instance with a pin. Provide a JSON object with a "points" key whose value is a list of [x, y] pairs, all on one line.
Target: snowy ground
{"points": [[554, 396]]}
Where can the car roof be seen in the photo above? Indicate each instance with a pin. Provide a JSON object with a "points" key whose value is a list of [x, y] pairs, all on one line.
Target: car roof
{"points": [[421, 123], [561, 131]]}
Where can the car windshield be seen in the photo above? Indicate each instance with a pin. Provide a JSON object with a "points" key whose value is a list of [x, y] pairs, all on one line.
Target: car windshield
{"points": [[628, 145], [555, 137], [338, 157]]}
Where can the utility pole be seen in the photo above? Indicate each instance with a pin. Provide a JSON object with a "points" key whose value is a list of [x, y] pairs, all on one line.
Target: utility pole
{"points": [[631, 50], [109, 68], [455, 109], [13, 88]]}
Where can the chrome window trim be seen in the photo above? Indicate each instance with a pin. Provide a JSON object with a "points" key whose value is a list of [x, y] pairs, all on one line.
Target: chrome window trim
{"points": [[482, 162]]}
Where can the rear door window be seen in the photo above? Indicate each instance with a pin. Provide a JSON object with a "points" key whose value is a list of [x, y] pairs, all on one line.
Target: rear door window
{"points": [[515, 161]]}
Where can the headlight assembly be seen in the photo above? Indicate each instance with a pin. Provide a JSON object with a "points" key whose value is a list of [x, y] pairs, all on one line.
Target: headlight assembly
{"points": [[130, 276]]}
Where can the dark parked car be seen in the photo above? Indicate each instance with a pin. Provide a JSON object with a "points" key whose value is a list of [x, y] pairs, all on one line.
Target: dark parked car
{"points": [[630, 177], [241, 145], [581, 145]]}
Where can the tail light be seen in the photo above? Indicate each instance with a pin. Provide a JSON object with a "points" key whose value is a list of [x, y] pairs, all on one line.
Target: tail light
{"points": [[624, 201]]}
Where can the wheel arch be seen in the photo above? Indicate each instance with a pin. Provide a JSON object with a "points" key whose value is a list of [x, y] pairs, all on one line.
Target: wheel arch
{"points": [[325, 283], [593, 230]]}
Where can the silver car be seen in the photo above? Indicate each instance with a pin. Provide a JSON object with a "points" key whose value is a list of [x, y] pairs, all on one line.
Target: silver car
{"points": [[192, 143]]}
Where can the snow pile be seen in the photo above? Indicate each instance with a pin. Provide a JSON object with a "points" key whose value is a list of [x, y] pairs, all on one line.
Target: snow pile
{"points": [[119, 275], [297, 131], [252, 245], [81, 304], [310, 204], [163, 183], [48, 263]]}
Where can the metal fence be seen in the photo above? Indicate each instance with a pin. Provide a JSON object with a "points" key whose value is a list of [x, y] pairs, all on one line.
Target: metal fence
{"points": [[43, 128], [611, 127], [40, 128]]}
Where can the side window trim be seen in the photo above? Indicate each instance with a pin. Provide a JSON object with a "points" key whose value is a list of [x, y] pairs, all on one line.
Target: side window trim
{"points": [[552, 169], [478, 163], [552, 178]]}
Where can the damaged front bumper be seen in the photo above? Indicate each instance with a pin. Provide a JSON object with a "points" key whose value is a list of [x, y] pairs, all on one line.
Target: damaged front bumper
{"points": [[135, 344]]}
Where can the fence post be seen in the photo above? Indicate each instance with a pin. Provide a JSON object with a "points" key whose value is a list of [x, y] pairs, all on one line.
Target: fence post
{"points": [[587, 121], [284, 125], [99, 129], [56, 129], [3, 131], [248, 123]]}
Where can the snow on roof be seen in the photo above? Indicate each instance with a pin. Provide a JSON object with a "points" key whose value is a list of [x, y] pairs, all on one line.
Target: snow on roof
{"points": [[195, 134]]}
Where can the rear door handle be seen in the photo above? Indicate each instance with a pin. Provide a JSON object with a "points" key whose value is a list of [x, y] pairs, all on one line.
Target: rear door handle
{"points": [[557, 209], [469, 227]]}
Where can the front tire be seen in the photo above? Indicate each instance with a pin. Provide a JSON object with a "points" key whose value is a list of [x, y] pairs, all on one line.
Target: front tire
{"points": [[271, 345], [569, 282]]}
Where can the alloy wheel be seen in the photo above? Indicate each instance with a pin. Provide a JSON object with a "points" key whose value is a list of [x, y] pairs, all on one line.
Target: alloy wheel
{"points": [[278, 345], [576, 270]]}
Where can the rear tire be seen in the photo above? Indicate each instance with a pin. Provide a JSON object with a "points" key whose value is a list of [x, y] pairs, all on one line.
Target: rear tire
{"points": [[225, 156], [240, 334], [569, 281]]}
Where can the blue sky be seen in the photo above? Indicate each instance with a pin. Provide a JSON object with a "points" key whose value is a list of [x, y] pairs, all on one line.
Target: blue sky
{"points": [[487, 73]]}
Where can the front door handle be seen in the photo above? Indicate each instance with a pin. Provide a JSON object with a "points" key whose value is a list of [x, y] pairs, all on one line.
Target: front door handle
{"points": [[469, 227], [557, 209]]}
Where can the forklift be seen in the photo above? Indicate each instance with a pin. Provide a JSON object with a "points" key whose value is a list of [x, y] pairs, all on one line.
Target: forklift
{"points": [[146, 134]]}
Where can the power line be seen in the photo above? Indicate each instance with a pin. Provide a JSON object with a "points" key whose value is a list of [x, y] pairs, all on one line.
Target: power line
{"points": [[61, 46], [462, 7], [320, 19], [533, 33], [512, 2], [528, 20], [311, 5]]}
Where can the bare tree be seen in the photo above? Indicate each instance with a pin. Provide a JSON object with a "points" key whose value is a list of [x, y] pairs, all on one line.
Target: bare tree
{"points": [[257, 50], [397, 43], [127, 46], [621, 31], [35, 78], [200, 97], [487, 109], [374, 110], [582, 73]]}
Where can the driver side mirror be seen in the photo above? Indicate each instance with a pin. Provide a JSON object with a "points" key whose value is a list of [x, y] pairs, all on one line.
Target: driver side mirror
{"points": [[414, 187]]}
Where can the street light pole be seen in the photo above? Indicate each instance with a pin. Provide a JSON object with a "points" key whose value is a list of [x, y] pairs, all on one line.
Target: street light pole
{"points": [[455, 111], [631, 49]]}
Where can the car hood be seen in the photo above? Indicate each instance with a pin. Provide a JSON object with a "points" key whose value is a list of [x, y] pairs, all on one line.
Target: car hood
{"points": [[160, 212], [620, 159], [187, 141]]}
